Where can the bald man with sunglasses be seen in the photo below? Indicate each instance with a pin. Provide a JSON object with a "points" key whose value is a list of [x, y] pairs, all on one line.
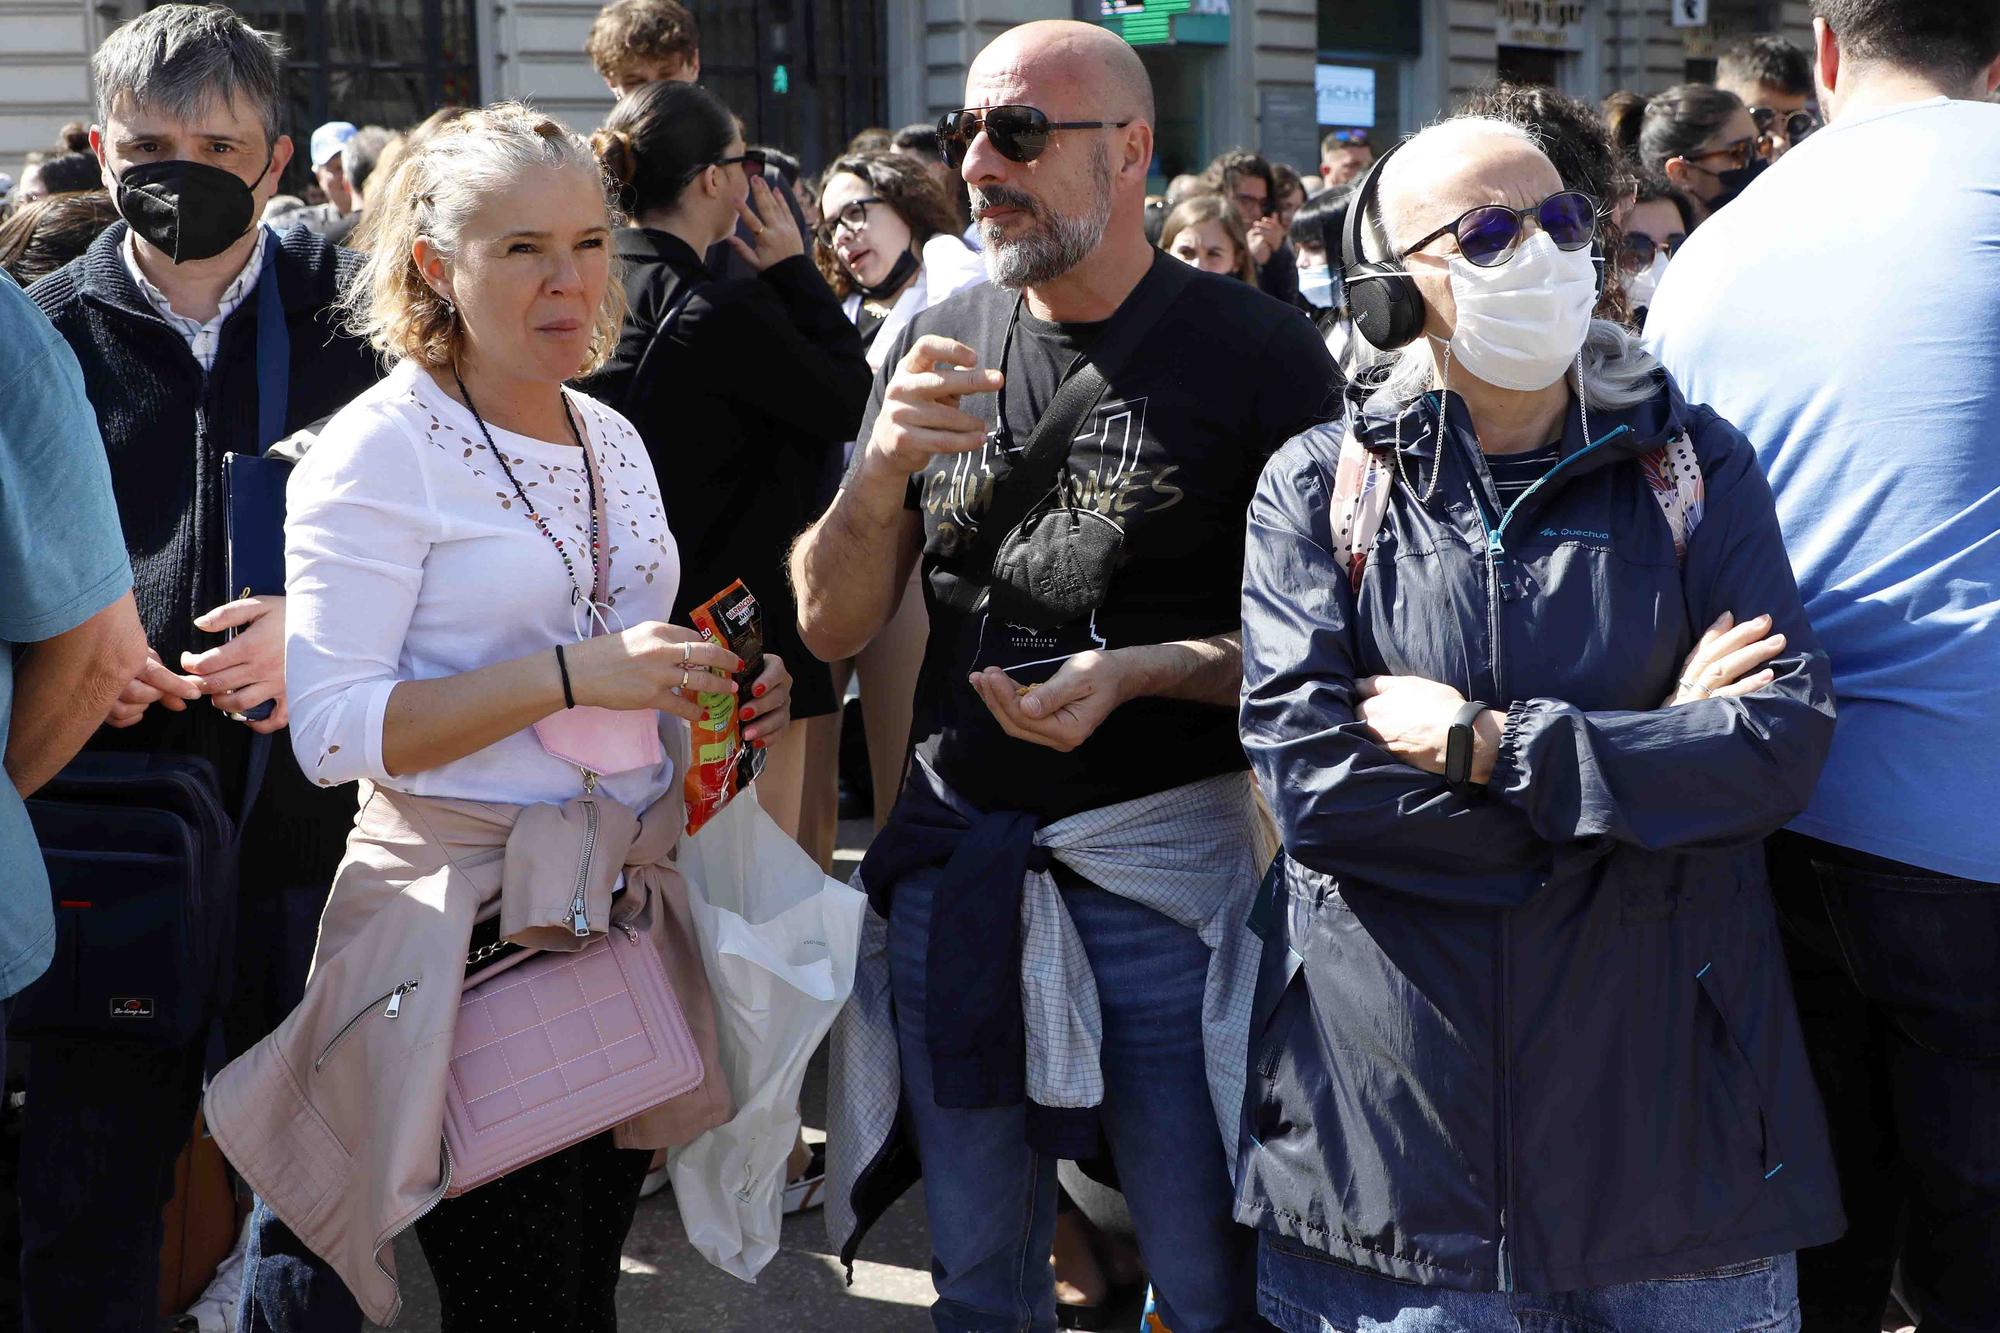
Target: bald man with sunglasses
{"points": [[1064, 881]]}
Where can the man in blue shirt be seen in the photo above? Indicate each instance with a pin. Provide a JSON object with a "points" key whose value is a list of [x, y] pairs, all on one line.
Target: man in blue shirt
{"points": [[1842, 313], [69, 634]]}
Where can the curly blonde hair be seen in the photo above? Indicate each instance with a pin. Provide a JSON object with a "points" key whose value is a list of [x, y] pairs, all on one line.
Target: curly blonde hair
{"points": [[441, 183]]}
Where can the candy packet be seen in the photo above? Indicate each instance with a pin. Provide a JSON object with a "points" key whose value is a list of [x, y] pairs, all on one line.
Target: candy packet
{"points": [[719, 763]]}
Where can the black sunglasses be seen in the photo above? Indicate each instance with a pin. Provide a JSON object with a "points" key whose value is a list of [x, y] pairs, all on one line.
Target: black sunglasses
{"points": [[852, 217], [1797, 124], [1636, 249], [1351, 138], [1019, 132], [1488, 235], [751, 158], [1740, 154]]}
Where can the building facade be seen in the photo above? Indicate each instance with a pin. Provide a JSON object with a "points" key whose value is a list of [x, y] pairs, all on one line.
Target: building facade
{"points": [[806, 74], [803, 74], [1278, 73]]}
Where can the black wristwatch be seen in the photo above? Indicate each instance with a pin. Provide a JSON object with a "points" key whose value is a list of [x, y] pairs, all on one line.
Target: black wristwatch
{"points": [[1458, 747]]}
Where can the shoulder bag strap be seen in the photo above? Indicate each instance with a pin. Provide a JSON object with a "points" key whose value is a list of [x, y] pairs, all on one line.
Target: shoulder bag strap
{"points": [[1049, 444], [274, 350], [258, 764], [1360, 502]]}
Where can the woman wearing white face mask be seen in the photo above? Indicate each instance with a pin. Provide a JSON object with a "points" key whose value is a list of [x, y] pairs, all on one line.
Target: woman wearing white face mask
{"points": [[1658, 220], [1523, 1048]]}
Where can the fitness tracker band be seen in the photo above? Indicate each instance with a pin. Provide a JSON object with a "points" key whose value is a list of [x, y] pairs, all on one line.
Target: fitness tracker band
{"points": [[1458, 747]]}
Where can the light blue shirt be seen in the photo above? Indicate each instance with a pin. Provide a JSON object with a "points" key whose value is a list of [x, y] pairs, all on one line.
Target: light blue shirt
{"points": [[1844, 312], [62, 560]]}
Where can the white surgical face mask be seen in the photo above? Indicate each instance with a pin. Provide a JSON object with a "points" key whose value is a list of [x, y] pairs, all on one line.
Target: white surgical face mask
{"points": [[1320, 288], [1520, 323], [1639, 288]]}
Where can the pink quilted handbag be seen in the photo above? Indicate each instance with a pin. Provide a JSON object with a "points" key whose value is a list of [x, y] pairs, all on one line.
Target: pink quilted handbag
{"points": [[558, 1047]]}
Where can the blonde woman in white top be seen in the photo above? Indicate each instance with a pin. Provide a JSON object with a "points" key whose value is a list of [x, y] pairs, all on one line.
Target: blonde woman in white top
{"points": [[480, 573]]}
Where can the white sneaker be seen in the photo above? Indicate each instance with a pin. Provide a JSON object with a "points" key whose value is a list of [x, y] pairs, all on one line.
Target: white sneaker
{"points": [[215, 1311], [656, 1180]]}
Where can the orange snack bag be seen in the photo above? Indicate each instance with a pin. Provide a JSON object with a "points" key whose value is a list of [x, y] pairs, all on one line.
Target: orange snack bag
{"points": [[719, 765]]}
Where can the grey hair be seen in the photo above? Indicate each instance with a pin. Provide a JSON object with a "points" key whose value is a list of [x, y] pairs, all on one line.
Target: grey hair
{"points": [[1616, 371], [181, 59], [1059, 241]]}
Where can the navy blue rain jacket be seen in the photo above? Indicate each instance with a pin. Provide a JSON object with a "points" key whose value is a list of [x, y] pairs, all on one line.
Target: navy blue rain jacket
{"points": [[1540, 1037]]}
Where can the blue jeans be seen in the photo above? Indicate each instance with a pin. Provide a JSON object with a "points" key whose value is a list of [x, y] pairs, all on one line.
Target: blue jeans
{"points": [[1303, 1291], [1899, 997], [286, 1287], [992, 1199]]}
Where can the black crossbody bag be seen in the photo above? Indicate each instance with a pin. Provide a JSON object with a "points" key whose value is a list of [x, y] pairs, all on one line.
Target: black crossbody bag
{"points": [[1038, 559]]}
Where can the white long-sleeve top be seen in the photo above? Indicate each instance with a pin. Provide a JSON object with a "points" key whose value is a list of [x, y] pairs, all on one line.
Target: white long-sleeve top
{"points": [[949, 267], [408, 556]]}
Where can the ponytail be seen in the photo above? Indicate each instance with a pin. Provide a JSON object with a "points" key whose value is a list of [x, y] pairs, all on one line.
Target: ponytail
{"points": [[620, 160], [657, 140], [1625, 112]]}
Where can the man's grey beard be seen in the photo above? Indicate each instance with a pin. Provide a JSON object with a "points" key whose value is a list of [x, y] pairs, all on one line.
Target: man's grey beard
{"points": [[1054, 243]]}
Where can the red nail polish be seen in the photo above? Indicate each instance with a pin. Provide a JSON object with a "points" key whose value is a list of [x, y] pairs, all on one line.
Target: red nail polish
{"points": [[749, 713], [757, 693], [759, 744]]}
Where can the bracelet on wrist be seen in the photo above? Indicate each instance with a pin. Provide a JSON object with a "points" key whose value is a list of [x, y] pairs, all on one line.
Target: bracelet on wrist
{"points": [[562, 665]]}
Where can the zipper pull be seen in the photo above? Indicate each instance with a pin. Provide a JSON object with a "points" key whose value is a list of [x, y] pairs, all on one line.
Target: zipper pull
{"points": [[579, 922], [589, 782], [396, 999]]}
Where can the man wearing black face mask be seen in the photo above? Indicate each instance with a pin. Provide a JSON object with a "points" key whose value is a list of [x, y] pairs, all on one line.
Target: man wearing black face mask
{"points": [[200, 334]]}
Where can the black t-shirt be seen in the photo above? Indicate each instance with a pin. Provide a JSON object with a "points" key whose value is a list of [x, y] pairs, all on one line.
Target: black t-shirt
{"points": [[1172, 455]]}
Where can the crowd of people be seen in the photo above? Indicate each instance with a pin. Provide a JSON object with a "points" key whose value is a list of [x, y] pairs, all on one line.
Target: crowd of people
{"points": [[1422, 716]]}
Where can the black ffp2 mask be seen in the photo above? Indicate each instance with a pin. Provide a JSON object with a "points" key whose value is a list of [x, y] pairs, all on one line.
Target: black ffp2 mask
{"points": [[906, 264], [1736, 180], [188, 210]]}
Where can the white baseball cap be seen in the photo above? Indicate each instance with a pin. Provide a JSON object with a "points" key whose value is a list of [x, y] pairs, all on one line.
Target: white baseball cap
{"points": [[329, 138]]}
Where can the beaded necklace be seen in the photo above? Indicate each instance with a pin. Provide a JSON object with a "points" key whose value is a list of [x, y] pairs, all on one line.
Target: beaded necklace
{"points": [[576, 593]]}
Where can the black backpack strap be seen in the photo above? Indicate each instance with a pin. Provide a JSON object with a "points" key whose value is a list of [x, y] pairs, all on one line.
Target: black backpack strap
{"points": [[1048, 446]]}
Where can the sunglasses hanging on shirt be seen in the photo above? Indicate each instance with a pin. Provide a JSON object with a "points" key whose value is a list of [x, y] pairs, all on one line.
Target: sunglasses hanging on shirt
{"points": [[1020, 133]]}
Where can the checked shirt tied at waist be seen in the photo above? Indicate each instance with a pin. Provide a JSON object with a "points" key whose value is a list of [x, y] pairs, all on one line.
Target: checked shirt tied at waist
{"points": [[1005, 1027]]}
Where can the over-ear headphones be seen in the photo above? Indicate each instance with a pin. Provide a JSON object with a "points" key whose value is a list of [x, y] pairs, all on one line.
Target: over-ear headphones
{"points": [[1388, 309]]}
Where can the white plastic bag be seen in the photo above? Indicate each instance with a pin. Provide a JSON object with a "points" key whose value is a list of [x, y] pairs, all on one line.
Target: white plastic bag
{"points": [[779, 939]]}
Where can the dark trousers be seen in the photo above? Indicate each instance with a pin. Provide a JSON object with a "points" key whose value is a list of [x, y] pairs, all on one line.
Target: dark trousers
{"points": [[538, 1249], [1897, 973], [105, 1121]]}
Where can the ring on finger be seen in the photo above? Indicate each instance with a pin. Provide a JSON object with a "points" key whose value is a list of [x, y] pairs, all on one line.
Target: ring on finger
{"points": [[684, 679], [687, 647], [1696, 686]]}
